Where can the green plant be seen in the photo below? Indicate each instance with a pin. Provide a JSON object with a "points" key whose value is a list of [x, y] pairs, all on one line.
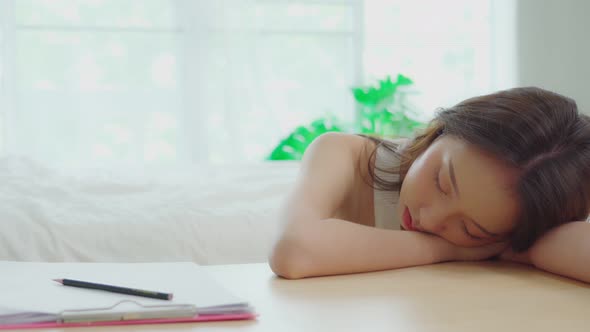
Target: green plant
{"points": [[292, 147], [382, 112]]}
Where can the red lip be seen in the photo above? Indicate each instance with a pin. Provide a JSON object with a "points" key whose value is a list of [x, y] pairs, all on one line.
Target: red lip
{"points": [[407, 220]]}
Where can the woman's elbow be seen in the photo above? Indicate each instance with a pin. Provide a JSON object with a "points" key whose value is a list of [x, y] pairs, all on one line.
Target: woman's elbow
{"points": [[286, 260]]}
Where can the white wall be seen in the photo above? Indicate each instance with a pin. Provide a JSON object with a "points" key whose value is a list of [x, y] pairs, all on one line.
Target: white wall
{"points": [[553, 47]]}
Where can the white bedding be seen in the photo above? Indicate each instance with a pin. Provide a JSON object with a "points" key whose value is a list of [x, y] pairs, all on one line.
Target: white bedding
{"points": [[209, 215]]}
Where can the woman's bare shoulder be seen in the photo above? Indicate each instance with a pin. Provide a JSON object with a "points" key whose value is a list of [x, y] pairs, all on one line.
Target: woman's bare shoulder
{"points": [[396, 140], [361, 148], [343, 139], [359, 140], [337, 178]]}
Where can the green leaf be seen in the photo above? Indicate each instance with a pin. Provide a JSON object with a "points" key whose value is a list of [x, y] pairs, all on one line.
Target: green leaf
{"points": [[293, 147]]}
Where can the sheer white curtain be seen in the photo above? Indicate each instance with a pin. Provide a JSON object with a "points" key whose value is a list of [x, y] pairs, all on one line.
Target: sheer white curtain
{"points": [[5, 53], [257, 69], [165, 81], [451, 49], [100, 81], [92, 81]]}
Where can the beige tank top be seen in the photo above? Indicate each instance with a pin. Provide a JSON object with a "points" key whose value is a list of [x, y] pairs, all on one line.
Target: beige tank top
{"points": [[385, 202]]}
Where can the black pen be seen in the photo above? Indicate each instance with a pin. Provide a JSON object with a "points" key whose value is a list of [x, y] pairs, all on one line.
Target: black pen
{"points": [[115, 289]]}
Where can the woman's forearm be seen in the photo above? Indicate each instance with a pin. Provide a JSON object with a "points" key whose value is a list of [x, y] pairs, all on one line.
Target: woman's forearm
{"points": [[565, 250], [334, 246]]}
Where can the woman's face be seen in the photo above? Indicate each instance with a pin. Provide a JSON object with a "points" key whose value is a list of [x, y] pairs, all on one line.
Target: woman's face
{"points": [[458, 192]]}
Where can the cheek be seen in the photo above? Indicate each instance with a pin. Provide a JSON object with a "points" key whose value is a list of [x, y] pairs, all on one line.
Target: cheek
{"points": [[418, 183]]}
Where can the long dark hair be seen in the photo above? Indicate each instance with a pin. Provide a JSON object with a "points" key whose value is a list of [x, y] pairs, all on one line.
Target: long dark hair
{"points": [[538, 132]]}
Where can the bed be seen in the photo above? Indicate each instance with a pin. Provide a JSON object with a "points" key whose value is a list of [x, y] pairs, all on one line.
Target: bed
{"points": [[205, 214]]}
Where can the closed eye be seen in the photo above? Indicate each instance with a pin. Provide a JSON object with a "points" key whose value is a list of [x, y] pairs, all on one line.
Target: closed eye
{"points": [[469, 234], [437, 182], [438, 186]]}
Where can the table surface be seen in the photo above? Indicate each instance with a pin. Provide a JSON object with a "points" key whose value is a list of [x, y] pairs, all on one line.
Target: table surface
{"points": [[458, 296]]}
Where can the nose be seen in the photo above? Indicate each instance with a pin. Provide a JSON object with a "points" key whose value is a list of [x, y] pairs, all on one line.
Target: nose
{"points": [[433, 219]]}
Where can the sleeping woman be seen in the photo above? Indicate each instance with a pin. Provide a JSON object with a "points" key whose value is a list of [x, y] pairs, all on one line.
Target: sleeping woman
{"points": [[504, 176]]}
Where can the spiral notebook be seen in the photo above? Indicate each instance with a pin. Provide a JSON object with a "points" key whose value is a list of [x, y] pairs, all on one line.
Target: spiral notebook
{"points": [[30, 298]]}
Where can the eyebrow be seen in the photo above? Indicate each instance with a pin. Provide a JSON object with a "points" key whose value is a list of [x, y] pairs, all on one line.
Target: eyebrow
{"points": [[456, 188], [453, 179]]}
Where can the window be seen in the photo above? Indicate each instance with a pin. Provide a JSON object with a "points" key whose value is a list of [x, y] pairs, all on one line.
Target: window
{"points": [[219, 81]]}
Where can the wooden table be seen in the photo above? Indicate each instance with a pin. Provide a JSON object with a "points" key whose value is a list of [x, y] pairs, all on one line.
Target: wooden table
{"points": [[484, 296]]}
